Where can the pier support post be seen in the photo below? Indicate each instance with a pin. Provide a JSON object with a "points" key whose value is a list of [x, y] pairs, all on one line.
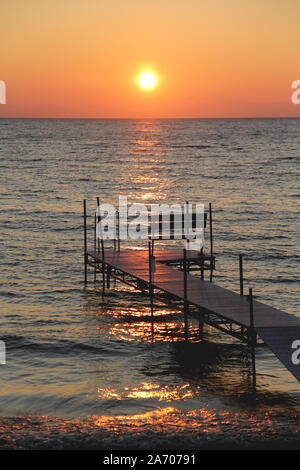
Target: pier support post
{"points": [[185, 295], [85, 241], [201, 326], [99, 221], [150, 277], [102, 247], [241, 274], [95, 247], [108, 277], [252, 337], [187, 245], [211, 242], [202, 264], [118, 230]]}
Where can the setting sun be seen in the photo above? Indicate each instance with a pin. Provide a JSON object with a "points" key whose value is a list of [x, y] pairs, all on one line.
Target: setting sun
{"points": [[147, 80]]}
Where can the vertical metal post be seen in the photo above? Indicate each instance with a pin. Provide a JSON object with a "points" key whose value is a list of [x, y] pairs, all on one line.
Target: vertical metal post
{"points": [[108, 277], [201, 326], [211, 242], [85, 241], [99, 220], [150, 278], [149, 262], [95, 247], [183, 225], [185, 295], [118, 230], [102, 247], [241, 275], [115, 240], [202, 264], [252, 336]]}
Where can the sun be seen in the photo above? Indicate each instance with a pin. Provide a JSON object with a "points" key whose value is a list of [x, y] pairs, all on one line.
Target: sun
{"points": [[147, 80]]}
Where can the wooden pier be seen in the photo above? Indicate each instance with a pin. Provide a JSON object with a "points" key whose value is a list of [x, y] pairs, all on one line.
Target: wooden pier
{"points": [[167, 275]]}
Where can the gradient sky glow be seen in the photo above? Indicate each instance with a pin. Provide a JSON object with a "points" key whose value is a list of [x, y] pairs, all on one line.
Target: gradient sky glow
{"points": [[212, 58]]}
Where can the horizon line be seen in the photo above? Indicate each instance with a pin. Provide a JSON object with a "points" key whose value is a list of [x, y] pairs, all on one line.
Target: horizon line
{"points": [[151, 118]]}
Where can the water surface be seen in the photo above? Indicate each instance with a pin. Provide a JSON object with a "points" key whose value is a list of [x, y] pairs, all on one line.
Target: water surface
{"points": [[83, 371]]}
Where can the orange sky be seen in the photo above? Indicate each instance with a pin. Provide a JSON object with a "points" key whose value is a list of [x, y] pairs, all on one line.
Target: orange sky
{"points": [[213, 58]]}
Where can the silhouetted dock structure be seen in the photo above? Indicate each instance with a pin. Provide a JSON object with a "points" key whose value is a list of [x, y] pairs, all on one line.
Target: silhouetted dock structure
{"points": [[167, 275]]}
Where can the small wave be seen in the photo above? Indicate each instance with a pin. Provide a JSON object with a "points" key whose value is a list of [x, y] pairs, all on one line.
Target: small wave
{"points": [[14, 342], [191, 146], [11, 294], [281, 280], [288, 158]]}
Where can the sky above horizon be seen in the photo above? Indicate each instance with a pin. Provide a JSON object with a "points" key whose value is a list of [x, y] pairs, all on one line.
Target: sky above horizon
{"points": [[211, 58]]}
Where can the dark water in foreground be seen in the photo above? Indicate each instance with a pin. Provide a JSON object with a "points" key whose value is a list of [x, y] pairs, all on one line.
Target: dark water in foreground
{"points": [[86, 372]]}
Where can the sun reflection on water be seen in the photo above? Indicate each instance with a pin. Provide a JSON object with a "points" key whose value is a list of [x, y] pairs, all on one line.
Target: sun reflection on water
{"points": [[201, 420], [147, 390], [164, 426], [138, 322], [147, 166]]}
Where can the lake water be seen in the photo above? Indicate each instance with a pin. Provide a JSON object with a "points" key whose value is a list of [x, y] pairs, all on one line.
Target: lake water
{"points": [[83, 371]]}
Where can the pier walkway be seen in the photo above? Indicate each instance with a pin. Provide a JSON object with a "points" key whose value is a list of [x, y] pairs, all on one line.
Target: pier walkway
{"points": [[221, 308]]}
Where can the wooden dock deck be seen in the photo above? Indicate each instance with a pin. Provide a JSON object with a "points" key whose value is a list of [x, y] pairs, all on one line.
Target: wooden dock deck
{"points": [[219, 307], [166, 275]]}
